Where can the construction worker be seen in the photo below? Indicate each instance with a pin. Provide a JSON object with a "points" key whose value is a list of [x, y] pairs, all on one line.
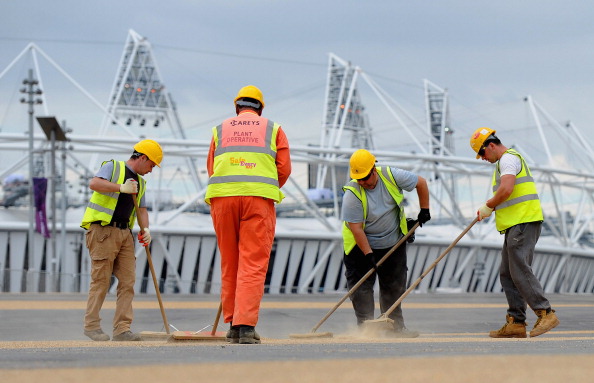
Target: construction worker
{"points": [[518, 215], [109, 219], [248, 162], [374, 221]]}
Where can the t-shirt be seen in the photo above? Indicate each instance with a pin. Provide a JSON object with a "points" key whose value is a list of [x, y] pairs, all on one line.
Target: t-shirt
{"points": [[125, 205], [382, 225], [509, 164]]}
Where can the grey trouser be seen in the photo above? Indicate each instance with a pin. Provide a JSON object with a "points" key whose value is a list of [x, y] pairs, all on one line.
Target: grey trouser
{"points": [[519, 283], [392, 283]]}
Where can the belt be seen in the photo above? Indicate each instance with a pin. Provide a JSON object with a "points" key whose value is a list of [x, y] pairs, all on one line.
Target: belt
{"points": [[119, 225]]}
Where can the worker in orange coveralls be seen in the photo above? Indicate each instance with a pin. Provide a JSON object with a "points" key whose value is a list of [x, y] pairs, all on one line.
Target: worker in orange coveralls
{"points": [[248, 162]]}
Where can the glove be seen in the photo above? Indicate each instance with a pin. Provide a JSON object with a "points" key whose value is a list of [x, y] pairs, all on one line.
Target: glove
{"points": [[144, 237], [369, 257], [129, 187], [483, 212], [423, 216], [410, 223]]}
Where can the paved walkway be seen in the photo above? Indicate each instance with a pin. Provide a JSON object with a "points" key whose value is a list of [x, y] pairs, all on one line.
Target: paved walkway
{"points": [[41, 336]]}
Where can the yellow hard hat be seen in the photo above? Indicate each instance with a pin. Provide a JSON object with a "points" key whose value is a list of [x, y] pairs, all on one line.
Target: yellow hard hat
{"points": [[250, 91], [361, 163], [151, 149], [478, 138]]}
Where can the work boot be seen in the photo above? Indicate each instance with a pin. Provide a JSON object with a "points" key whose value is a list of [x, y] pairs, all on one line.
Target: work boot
{"points": [[544, 323], [248, 335], [127, 336], [233, 334], [97, 335], [404, 333], [511, 329]]}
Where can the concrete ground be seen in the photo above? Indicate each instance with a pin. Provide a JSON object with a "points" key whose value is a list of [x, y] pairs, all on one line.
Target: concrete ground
{"points": [[41, 339]]}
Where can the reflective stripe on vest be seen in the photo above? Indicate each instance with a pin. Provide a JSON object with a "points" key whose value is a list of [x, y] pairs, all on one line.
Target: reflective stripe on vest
{"points": [[523, 204], [245, 159], [385, 174], [102, 205]]}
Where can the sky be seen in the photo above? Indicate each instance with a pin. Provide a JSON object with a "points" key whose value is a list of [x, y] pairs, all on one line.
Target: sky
{"points": [[488, 55]]}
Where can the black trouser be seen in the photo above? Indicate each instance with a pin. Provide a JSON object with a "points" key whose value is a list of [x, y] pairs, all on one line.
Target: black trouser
{"points": [[392, 282]]}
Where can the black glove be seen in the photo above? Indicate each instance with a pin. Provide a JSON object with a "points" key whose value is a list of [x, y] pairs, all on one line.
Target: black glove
{"points": [[410, 223], [424, 216], [369, 257]]}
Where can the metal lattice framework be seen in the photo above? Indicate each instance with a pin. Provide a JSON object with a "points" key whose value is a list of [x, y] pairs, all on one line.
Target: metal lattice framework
{"points": [[308, 257], [344, 112]]}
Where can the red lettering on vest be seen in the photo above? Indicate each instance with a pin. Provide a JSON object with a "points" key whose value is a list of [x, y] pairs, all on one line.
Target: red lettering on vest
{"points": [[242, 131]]}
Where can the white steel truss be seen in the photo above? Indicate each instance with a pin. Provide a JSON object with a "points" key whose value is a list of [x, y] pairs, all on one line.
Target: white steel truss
{"points": [[140, 98], [567, 193], [343, 111]]}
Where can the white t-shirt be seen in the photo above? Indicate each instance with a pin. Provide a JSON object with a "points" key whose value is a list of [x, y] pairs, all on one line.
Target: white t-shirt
{"points": [[509, 164]]}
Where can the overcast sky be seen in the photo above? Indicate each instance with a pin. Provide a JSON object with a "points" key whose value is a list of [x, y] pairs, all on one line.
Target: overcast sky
{"points": [[488, 54]]}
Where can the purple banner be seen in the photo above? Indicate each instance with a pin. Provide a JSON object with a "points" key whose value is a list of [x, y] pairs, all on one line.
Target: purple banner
{"points": [[39, 193]]}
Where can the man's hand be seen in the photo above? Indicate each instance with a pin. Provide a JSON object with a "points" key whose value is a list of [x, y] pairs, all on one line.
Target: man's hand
{"points": [[423, 216], [129, 187], [144, 237], [484, 212], [369, 257]]}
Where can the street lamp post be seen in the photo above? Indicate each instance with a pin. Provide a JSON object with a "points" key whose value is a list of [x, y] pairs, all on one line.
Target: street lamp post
{"points": [[32, 90], [54, 133]]}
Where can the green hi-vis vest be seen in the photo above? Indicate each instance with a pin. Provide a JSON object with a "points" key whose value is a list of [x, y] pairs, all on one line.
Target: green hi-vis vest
{"points": [[245, 159], [385, 174], [523, 204], [102, 205]]}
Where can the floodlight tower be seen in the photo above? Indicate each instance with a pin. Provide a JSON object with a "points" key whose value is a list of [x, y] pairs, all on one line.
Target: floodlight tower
{"points": [[438, 119], [343, 111], [139, 98]]}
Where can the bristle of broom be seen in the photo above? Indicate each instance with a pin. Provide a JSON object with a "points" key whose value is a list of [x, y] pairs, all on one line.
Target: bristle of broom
{"points": [[311, 335]]}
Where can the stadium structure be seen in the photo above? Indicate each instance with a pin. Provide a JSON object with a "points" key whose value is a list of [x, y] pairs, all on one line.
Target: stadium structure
{"points": [[307, 253]]}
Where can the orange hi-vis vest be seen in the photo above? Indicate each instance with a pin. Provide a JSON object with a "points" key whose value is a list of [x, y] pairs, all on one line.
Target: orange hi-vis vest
{"points": [[245, 159]]}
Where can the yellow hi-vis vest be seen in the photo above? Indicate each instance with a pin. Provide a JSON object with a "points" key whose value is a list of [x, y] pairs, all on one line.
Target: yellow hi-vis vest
{"points": [[523, 204], [245, 159], [386, 176], [102, 205]]}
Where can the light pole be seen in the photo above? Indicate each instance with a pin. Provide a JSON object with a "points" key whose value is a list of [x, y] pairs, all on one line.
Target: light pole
{"points": [[32, 90], [54, 133]]}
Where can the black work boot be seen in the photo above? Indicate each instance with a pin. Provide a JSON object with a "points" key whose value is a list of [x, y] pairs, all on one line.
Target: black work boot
{"points": [[248, 335], [233, 334]]}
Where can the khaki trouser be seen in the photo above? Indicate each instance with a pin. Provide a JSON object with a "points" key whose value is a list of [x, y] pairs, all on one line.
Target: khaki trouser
{"points": [[112, 252]]}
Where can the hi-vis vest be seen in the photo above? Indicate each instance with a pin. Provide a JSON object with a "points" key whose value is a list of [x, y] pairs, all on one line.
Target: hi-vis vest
{"points": [[523, 204], [386, 176], [102, 205], [245, 159]]}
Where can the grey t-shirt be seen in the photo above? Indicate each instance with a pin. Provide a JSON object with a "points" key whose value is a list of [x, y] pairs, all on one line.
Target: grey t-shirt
{"points": [[105, 172], [382, 225]]}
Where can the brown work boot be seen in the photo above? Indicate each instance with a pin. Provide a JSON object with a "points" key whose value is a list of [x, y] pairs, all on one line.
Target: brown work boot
{"points": [[544, 323], [511, 329]]}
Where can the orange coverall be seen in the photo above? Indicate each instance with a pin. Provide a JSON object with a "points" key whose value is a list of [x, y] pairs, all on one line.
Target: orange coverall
{"points": [[245, 227]]}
